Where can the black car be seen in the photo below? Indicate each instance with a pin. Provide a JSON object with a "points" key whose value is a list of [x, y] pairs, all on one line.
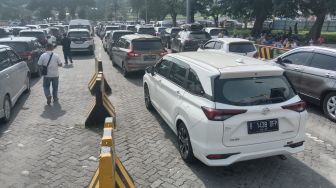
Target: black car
{"points": [[39, 34], [168, 34], [28, 48], [189, 40]]}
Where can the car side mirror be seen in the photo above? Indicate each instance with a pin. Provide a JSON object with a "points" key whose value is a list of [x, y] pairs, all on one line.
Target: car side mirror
{"points": [[150, 70]]}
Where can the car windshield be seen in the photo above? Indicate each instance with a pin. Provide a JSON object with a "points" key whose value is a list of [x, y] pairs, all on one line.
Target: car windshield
{"points": [[241, 47], [17, 46], [43, 26], [253, 91], [199, 36], [80, 27], [147, 45], [150, 31], [215, 32], [38, 35], [79, 34], [111, 28]]}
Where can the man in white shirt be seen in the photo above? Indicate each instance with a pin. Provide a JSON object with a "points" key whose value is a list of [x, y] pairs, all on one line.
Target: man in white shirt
{"points": [[52, 61]]}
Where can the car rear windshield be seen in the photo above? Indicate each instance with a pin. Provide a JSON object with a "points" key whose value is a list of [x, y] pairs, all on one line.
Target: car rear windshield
{"points": [[111, 28], [80, 27], [79, 34], [149, 31], [38, 35], [17, 46], [54, 31], [253, 91], [116, 36], [147, 45], [241, 47], [215, 32], [199, 36]]}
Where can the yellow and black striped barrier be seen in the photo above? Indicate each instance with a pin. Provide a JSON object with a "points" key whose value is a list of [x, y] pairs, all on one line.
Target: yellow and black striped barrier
{"points": [[93, 84], [102, 107], [269, 52], [111, 173]]}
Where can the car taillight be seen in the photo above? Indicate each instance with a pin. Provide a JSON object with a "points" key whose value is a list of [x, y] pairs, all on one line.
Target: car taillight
{"points": [[297, 107], [221, 114], [131, 53], [163, 53], [27, 55]]}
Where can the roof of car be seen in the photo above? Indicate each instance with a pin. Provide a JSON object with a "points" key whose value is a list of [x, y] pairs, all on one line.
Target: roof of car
{"points": [[3, 46], [17, 39], [31, 30], [229, 40], [315, 48], [122, 31], [111, 26], [220, 61], [138, 36], [79, 30]]}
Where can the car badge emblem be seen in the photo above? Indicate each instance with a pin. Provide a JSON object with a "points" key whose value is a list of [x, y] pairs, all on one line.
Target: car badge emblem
{"points": [[265, 111]]}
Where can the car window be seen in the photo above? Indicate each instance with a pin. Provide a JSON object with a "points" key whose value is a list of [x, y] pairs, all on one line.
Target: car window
{"points": [[253, 91], [14, 58], [218, 45], [79, 34], [241, 47], [193, 83], [19, 47], [177, 74], [199, 36], [322, 61], [147, 45], [4, 61], [163, 68], [209, 45], [300, 58]]}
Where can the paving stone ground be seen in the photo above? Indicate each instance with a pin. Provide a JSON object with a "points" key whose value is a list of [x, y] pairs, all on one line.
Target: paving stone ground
{"points": [[47, 146]]}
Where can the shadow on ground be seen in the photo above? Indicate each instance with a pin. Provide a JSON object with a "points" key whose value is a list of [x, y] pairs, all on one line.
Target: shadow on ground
{"points": [[264, 172]]}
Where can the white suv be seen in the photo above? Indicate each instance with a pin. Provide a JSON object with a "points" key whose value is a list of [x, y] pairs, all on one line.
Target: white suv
{"points": [[226, 108], [81, 40]]}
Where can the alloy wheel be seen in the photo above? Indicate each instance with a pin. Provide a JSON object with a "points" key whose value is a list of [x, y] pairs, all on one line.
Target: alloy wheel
{"points": [[331, 106], [183, 140]]}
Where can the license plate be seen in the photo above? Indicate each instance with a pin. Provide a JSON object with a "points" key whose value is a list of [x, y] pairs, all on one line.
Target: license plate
{"points": [[262, 126], [150, 58], [79, 42]]}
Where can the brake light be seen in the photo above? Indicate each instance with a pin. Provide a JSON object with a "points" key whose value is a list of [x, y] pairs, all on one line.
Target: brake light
{"points": [[297, 107], [131, 53], [163, 53], [221, 114]]}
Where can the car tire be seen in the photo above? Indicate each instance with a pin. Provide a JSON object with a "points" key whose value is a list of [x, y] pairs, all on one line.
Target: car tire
{"points": [[27, 84], [124, 71], [184, 144], [148, 101], [7, 107], [329, 106]]}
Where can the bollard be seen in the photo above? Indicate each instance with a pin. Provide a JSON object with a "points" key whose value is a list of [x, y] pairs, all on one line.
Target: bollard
{"points": [[92, 83], [102, 107], [269, 52], [110, 173]]}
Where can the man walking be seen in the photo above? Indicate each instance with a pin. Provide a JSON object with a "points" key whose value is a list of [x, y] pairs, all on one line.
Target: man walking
{"points": [[66, 42], [50, 61]]}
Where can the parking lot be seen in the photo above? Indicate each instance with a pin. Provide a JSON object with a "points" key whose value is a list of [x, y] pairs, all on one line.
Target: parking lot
{"points": [[47, 146]]}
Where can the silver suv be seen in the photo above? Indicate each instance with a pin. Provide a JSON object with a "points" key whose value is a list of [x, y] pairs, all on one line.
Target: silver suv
{"points": [[312, 71]]}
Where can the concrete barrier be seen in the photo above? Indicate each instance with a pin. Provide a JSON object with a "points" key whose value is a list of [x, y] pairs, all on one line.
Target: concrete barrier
{"points": [[110, 173], [101, 107], [93, 84], [269, 52]]}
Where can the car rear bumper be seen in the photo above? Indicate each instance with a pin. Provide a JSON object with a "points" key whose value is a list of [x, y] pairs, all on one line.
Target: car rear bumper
{"points": [[84, 49], [131, 67], [243, 153]]}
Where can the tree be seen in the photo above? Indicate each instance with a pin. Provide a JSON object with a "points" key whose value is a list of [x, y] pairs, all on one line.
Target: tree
{"points": [[174, 7], [318, 8], [260, 10], [211, 8]]}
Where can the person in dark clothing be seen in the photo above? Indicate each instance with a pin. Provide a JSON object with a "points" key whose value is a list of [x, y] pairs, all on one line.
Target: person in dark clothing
{"points": [[66, 42]]}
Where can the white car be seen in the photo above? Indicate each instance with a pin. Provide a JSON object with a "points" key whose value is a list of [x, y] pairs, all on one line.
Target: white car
{"points": [[215, 31], [81, 40], [226, 108], [106, 39], [231, 45]]}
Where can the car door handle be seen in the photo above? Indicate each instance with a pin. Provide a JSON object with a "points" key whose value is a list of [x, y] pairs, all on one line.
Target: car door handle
{"points": [[178, 93], [328, 75], [297, 68], [7, 75]]}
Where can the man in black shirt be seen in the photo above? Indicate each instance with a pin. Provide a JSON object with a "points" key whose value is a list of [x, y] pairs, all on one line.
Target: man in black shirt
{"points": [[66, 42]]}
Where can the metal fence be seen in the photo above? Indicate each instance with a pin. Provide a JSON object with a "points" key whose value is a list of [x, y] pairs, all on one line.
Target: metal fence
{"points": [[328, 26]]}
